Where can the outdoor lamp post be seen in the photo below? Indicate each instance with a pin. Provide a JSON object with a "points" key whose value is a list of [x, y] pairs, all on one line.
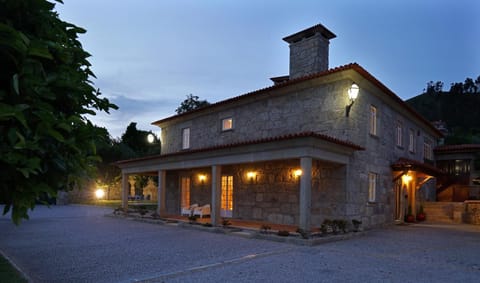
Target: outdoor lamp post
{"points": [[352, 95], [150, 138]]}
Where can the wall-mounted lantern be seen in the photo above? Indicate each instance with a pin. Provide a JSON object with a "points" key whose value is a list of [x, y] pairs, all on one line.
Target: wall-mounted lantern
{"points": [[406, 178], [352, 95], [202, 178], [297, 173], [251, 175]]}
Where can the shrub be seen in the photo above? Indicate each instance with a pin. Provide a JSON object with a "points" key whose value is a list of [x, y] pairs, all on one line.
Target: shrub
{"points": [[341, 225], [356, 224], [265, 228], [303, 233], [283, 233], [226, 222]]}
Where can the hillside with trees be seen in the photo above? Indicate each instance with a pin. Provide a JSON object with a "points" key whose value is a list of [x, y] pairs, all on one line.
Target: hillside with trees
{"points": [[459, 108]]}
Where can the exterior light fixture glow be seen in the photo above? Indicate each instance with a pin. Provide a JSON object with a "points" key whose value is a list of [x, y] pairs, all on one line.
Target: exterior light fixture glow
{"points": [[297, 173], [150, 138], [252, 176], [202, 178], [352, 95], [406, 178], [99, 193]]}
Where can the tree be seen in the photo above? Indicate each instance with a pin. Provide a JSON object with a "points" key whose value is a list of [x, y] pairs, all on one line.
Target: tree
{"points": [[47, 142], [192, 102], [456, 88], [433, 88], [137, 141], [469, 86]]}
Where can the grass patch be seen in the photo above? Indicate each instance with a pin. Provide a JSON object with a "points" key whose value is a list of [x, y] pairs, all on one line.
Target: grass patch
{"points": [[8, 273]]}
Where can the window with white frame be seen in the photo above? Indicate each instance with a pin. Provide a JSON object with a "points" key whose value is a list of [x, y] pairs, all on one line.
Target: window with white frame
{"points": [[399, 133], [186, 138], [427, 149], [411, 140], [372, 187], [373, 120], [227, 124]]}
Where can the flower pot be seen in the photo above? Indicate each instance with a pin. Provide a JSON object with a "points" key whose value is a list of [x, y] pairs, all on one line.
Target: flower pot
{"points": [[421, 217], [410, 218]]}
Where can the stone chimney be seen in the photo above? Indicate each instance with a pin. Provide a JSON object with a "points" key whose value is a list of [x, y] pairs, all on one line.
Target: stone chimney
{"points": [[309, 51]]}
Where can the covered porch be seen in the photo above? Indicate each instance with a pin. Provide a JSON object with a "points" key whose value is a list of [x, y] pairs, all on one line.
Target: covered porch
{"points": [[262, 181], [414, 183]]}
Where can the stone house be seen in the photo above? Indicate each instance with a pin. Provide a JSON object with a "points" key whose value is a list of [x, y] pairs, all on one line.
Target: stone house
{"points": [[298, 152]]}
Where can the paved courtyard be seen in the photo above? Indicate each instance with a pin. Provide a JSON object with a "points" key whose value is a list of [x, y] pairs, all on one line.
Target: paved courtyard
{"points": [[79, 244]]}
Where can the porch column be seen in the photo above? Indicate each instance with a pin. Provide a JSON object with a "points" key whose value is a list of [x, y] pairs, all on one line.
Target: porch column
{"points": [[161, 208], [305, 193], [216, 194], [125, 190]]}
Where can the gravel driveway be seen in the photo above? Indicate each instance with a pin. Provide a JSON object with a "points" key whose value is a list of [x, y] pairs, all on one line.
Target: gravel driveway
{"points": [[79, 244]]}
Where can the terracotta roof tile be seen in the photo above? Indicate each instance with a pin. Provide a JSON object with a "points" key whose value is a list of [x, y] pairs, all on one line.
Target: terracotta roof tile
{"points": [[414, 165], [457, 148], [253, 142], [351, 66]]}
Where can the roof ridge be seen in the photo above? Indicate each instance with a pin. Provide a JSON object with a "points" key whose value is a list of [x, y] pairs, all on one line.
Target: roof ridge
{"points": [[353, 65]]}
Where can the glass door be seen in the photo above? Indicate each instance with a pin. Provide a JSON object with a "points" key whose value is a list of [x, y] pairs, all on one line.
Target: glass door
{"points": [[227, 196], [185, 191]]}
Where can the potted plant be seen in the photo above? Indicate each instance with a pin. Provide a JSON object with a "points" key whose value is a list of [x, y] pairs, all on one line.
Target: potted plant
{"points": [[409, 217], [421, 214], [356, 225]]}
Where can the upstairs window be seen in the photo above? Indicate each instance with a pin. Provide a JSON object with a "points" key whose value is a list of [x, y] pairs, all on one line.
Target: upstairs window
{"points": [[399, 134], [186, 138], [227, 124], [411, 140], [427, 150], [373, 120]]}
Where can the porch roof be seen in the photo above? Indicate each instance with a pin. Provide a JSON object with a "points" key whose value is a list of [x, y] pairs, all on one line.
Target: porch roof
{"points": [[403, 164], [311, 144]]}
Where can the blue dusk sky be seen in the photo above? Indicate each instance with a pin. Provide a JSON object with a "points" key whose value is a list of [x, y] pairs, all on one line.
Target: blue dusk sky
{"points": [[148, 55]]}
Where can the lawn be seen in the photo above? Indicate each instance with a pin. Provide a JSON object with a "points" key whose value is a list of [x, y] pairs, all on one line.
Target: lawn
{"points": [[8, 273]]}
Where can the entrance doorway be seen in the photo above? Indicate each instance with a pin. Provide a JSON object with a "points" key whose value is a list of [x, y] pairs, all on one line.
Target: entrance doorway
{"points": [[227, 196]]}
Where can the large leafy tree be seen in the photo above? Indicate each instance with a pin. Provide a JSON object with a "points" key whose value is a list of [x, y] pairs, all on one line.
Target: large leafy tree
{"points": [[47, 142], [137, 140], [192, 102]]}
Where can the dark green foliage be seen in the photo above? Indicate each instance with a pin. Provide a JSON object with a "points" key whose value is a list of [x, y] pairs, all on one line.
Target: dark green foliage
{"points": [[265, 228], [283, 233], [458, 108], [47, 142], [356, 224], [137, 141], [192, 102], [8, 273], [342, 225], [333, 226]]}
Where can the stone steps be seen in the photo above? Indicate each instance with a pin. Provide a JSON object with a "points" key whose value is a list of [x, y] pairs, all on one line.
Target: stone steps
{"points": [[438, 212]]}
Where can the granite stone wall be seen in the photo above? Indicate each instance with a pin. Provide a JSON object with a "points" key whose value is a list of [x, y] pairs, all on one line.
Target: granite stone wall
{"points": [[308, 56], [316, 106]]}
